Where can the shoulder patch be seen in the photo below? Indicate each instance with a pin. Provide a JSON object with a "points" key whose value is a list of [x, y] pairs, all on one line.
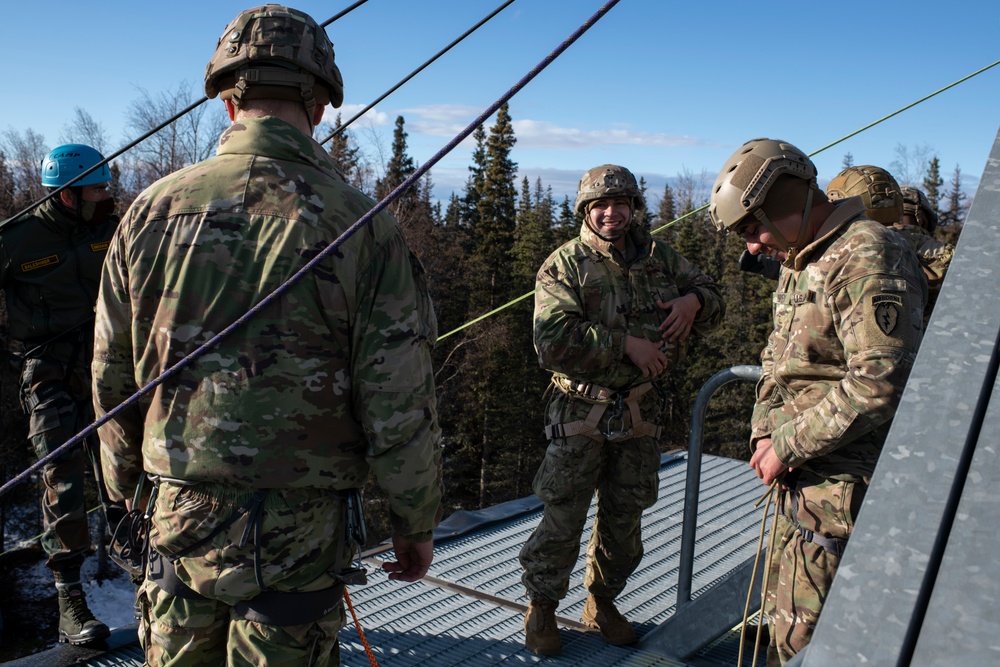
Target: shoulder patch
{"points": [[39, 263], [887, 316], [886, 308]]}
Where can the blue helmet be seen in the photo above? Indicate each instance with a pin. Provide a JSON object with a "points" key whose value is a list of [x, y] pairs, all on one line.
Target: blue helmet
{"points": [[65, 162]]}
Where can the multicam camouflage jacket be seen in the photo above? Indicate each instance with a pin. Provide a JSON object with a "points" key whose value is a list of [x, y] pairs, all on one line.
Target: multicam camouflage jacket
{"points": [[50, 267], [934, 256], [587, 299], [847, 323], [330, 380]]}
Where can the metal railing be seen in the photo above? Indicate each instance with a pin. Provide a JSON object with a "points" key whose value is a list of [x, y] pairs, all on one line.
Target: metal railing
{"points": [[692, 486]]}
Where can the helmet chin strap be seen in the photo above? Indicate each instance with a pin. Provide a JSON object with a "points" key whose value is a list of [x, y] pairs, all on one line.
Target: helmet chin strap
{"points": [[790, 248]]}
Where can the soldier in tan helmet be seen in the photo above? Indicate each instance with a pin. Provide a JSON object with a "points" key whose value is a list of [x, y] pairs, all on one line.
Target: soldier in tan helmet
{"points": [[847, 323], [614, 309], [906, 211]]}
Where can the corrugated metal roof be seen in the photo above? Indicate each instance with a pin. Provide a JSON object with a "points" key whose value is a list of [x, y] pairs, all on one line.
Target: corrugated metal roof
{"points": [[446, 624], [469, 610]]}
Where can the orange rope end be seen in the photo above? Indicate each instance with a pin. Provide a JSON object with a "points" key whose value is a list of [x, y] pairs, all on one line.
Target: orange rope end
{"points": [[361, 633]]}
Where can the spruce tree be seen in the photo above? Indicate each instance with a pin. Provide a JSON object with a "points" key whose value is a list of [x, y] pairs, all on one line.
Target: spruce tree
{"points": [[955, 215], [848, 161], [666, 213], [932, 185], [343, 153], [568, 225], [642, 218], [401, 166]]}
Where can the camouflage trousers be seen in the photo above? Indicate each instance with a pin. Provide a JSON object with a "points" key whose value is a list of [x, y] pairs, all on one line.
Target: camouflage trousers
{"points": [[625, 475], [301, 540], [58, 406], [801, 571]]}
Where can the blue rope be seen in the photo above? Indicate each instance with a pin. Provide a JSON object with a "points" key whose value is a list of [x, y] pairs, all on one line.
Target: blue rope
{"points": [[329, 250]]}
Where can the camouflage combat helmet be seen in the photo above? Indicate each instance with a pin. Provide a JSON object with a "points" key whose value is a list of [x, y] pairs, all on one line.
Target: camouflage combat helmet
{"points": [[915, 203], [606, 181], [877, 188], [747, 177], [276, 52]]}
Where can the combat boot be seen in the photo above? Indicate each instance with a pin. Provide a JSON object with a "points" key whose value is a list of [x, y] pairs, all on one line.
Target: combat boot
{"points": [[77, 624], [601, 613], [541, 636]]}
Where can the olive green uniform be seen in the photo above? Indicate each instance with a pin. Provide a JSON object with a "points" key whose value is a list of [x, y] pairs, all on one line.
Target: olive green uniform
{"points": [[50, 265]]}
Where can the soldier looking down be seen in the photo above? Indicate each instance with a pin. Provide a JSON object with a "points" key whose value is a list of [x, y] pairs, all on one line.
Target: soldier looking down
{"points": [[613, 311], [847, 323], [257, 450], [50, 267]]}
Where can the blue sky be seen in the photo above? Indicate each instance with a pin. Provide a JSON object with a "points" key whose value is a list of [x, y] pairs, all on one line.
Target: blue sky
{"points": [[662, 87]]}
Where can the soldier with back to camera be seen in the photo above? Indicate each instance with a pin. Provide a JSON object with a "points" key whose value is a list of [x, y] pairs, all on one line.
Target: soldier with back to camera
{"points": [[257, 452]]}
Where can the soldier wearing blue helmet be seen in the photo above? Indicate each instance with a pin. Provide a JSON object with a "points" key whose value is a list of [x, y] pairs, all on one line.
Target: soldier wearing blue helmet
{"points": [[50, 265]]}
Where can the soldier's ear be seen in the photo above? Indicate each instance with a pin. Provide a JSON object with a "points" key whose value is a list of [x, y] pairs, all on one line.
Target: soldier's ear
{"points": [[68, 198]]}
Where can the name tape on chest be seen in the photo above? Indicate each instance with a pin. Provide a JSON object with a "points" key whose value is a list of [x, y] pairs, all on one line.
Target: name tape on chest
{"points": [[39, 263]]}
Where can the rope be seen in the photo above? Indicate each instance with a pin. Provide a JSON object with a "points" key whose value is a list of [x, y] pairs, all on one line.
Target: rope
{"points": [[767, 574], [145, 136], [320, 257], [361, 632], [342, 13], [753, 577], [416, 71]]}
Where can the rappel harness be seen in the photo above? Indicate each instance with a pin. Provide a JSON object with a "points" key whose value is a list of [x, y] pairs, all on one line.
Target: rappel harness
{"points": [[602, 398], [130, 549]]}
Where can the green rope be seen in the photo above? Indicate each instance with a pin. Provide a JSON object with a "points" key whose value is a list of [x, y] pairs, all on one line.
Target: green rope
{"points": [[703, 207]]}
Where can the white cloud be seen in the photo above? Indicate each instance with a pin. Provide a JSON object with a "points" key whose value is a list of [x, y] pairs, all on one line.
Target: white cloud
{"points": [[447, 120], [545, 134], [372, 118]]}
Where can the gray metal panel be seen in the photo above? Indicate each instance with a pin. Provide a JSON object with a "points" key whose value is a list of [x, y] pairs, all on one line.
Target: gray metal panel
{"points": [[963, 616], [881, 590]]}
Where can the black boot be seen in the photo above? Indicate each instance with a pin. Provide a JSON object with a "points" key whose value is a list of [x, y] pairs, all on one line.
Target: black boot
{"points": [[77, 624]]}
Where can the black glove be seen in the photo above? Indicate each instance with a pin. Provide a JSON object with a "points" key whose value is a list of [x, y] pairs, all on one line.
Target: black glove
{"points": [[760, 264]]}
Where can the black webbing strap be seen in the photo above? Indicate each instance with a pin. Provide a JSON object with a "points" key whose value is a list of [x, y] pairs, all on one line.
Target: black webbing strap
{"points": [[832, 545], [161, 572], [278, 608], [290, 608]]}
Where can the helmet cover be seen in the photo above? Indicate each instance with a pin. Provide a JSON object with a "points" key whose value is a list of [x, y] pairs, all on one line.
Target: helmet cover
{"points": [[605, 182], [278, 52]]}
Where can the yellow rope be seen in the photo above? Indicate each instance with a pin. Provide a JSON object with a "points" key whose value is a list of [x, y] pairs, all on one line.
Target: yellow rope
{"points": [[753, 575]]}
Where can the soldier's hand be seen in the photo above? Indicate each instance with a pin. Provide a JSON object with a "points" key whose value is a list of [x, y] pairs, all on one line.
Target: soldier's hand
{"points": [[681, 312], [766, 463], [412, 559], [646, 355]]}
